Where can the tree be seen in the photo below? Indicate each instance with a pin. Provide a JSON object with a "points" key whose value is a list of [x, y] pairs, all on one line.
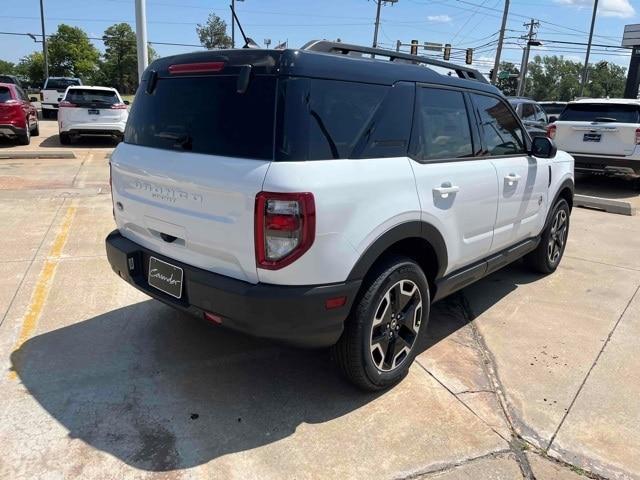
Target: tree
{"points": [[71, 53], [606, 80], [213, 34], [31, 67], [509, 86], [120, 65], [7, 68]]}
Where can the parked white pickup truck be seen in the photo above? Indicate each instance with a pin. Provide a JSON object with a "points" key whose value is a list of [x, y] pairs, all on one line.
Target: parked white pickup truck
{"points": [[53, 91], [602, 135]]}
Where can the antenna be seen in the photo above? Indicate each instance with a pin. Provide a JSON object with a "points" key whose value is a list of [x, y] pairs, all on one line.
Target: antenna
{"points": [[248, 42]]}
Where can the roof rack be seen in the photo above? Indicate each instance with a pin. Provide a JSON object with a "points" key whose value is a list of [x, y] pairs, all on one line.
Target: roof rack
{"points": [[326, 46]]}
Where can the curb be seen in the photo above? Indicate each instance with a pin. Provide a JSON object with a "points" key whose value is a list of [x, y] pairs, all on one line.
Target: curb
{"points": [[35, 154], [611, 206]]}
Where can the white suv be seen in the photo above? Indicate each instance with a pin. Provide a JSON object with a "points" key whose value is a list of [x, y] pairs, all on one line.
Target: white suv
{"points": [[92, 111], [325, 199], [603, 135]]}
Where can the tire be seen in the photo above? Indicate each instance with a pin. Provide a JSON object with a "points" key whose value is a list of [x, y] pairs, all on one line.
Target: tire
{"points": [[45, 114], [25, 138], [548, 254], [36, 130], [65, 138], [376, 349]]}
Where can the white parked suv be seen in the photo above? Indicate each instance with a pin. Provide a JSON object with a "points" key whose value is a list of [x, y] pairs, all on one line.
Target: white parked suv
{"points": [[603, 135], [323, 198], [92, 111]]}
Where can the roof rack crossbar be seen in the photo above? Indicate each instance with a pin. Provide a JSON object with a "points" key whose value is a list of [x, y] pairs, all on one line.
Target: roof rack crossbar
{"points": [[345, 48]]}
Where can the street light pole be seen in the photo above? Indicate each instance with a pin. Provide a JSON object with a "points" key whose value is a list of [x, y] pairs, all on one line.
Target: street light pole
{"points": [[585, 72], [496, 64], [44, 43], [141, 36]]}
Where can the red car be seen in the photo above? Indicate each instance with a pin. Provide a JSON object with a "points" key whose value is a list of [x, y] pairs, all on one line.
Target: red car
{"points": [[18, 118]]}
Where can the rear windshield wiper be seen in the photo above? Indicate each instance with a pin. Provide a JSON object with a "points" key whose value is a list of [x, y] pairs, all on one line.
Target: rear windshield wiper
{"points": [[605, 119], [182, 140]]}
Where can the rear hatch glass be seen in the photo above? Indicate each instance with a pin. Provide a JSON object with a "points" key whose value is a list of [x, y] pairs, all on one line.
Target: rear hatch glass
{"points": [[61, 84], [206, 114], [84, 97], [600, 112], [553, 108]]}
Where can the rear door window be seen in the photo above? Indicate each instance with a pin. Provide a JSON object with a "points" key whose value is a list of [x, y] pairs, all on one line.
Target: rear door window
{"points": [[5, 95], [205, 114], [500, 129], [91, 97], [528, 112], [324, 119], [601, 112], [441, 125]]}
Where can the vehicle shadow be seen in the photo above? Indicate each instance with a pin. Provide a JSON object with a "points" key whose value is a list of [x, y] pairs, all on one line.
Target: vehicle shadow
{"points": [[89, 141], [607, 187], [162, 391]]}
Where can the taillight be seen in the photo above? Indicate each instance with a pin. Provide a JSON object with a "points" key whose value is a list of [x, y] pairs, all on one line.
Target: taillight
{"points": [[285, 228], [551, 131], [66, 104], [119, 106], [41, 97], [200, 67], [637, 136]]}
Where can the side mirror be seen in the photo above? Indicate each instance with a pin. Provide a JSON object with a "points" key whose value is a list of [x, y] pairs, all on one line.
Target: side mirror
{"points": [[127, 102], [34, 99], [543, 147], [553, 118]]}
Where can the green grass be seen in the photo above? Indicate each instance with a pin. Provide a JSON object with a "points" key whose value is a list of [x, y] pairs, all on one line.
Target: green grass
{"points": [[128, 97]]}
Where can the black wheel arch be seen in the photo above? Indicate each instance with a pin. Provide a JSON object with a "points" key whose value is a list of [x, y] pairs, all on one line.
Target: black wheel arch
{"points": [[565, 190], [415, 239]]}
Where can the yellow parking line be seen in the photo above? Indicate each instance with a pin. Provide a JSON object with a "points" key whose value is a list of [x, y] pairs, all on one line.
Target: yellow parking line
{"points": [[44, 282]]}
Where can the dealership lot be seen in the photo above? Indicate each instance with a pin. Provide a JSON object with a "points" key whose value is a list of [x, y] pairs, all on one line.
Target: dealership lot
{"points": [[525, 377]]}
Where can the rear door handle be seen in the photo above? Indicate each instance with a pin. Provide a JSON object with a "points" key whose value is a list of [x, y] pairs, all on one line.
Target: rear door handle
{"points": [[512, 178], [445, 189]]}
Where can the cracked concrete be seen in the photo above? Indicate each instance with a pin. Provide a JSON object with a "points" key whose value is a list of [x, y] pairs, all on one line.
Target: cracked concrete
{"points": [[108, 384]]}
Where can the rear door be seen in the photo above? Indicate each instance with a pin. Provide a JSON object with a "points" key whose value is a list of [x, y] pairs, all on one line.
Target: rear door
{"points": [[522, 180], [598, 128], [196, 151], [457, 192]]}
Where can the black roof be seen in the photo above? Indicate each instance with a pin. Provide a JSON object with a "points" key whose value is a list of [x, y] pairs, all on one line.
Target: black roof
{"points": [[309, 63]]}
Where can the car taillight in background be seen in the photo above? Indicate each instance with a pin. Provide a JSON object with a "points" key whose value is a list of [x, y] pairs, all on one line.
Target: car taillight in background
{"points": [[285, 228], [551, 131], [637, 136], [119, 106], [66, 104]]}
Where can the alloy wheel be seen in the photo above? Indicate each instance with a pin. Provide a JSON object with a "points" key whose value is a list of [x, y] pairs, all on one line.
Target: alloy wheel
{"points": [[558, 236]]}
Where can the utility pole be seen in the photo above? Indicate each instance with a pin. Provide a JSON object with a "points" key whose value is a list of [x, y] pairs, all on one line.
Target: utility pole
{"points": [[378, 7], [525, 55], [585, 72], [496, 64], [141, 36], [44, 43]]}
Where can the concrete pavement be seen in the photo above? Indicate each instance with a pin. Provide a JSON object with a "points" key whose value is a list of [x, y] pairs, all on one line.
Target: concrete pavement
{"points": [[524, 377]]}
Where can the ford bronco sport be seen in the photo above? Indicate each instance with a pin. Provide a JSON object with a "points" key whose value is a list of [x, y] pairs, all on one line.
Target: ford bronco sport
{"points": [[327, 196]]}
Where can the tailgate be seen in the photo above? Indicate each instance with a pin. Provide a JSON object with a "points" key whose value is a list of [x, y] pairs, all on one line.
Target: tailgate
{"points": [[189, 207], [596, 138], [52, 96]]}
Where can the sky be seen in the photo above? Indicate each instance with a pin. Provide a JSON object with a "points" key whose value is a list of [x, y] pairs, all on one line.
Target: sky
{"points": [[462, 23]]}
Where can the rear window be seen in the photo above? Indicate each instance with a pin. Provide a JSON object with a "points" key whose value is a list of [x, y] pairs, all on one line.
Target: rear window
{"points": [[206, 115], [7, 79], [5, 94], [85, 96], [553, 109], [61, 83], [599, 112]]}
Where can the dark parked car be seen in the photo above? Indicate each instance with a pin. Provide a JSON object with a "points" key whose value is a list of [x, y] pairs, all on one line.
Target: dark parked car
{"points": [[553, 109], [18, 117], [533, 116], [11, 79]]}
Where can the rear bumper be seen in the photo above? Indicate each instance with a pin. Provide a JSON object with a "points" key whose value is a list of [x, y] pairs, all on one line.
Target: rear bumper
{"points": [[293, 314], [8, 130], [92, 128], [49, 106], [614, 165]]}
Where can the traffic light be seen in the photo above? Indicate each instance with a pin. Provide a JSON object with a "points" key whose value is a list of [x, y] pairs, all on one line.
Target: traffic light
{"points": [[447, 51], [491, 74], [414, 47], [469, 58]]}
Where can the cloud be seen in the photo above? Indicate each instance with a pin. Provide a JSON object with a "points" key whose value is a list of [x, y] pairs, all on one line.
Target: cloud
{"points": [[607, 8], [439, 18]]}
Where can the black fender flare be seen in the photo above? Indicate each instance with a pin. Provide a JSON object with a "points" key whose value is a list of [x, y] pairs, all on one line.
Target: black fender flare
{"points": [[403, 231], [567, 183]]}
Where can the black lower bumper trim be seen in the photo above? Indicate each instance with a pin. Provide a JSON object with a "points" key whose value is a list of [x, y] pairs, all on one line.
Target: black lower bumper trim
{"points": [[293, 314], [14, 131], [604, 164]]}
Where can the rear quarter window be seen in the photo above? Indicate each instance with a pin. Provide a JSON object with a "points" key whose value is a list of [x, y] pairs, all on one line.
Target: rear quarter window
{"points": [[5, 94], [594, 112]]}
